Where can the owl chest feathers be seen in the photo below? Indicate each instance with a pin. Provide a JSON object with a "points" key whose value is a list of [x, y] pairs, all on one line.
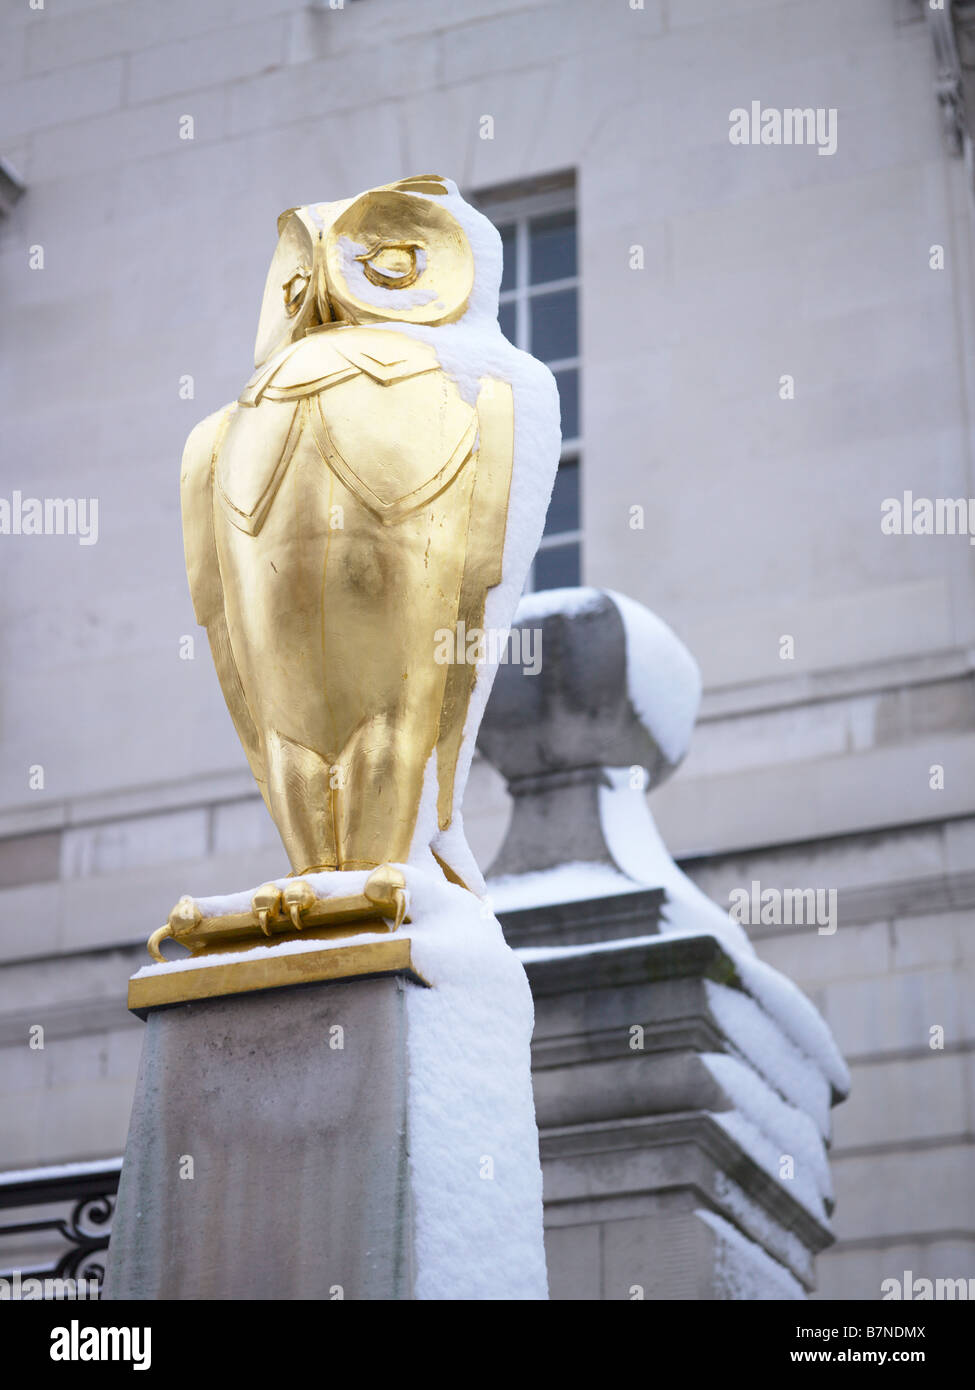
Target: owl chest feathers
{"points": [[383, 415]]}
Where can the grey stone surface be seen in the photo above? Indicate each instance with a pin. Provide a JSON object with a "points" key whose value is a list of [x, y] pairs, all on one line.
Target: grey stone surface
{"points": [[29, 858], [554, 820], [632, 1143], [300, 1185], [612, 1175], [575, 712], [551, 734], [580, 923]]}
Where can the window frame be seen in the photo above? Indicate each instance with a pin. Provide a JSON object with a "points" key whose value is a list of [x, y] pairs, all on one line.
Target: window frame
{"points": [[517, 209]]}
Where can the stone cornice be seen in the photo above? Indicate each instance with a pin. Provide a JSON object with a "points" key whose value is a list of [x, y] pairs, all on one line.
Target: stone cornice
{"points": [[702, 1131], [667, 958], [609, 918]]}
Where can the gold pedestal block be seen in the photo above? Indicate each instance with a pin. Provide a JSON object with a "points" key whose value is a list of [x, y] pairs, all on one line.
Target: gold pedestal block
{"points": [[264, 969]]}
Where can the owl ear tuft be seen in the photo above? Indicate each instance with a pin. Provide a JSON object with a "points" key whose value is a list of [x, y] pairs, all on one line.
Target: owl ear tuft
{"points": [[431, 184], [283, 218], [290, 305]]}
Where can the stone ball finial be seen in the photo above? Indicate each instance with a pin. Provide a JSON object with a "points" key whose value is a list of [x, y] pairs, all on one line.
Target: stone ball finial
{"points": [[610, 687], [615, 688]]}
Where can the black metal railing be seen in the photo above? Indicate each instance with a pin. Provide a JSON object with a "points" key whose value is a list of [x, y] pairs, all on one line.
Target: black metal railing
{"points": [[69, 1210]]}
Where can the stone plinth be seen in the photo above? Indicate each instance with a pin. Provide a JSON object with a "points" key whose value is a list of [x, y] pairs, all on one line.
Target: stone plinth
{"points": [[369, 1133], [683, 1089], [267, 1154], [664, 1116]]}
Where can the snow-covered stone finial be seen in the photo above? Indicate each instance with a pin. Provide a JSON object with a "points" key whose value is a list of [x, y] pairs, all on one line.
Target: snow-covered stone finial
{"points": [[616, 689]]}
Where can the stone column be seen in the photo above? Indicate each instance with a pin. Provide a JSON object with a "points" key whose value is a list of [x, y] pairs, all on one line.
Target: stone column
{"points": [[683, 1089], [665, 1117]]}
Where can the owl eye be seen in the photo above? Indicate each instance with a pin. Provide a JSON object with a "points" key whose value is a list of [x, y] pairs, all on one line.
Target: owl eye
{"points": [[294, 292], [394, 265]]}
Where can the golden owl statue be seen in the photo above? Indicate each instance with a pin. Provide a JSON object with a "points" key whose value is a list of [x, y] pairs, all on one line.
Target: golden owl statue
{"points": [[383, 477]]}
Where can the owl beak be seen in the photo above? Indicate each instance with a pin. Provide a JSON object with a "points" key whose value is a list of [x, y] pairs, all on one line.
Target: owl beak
{"points": [[326, 309], [323, 304], [322, 215]]}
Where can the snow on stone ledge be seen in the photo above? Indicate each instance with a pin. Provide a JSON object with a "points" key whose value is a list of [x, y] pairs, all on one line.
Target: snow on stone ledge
{"points": [[779, 997], [569, 883], [744, 1271], [633, 839], [544, 603]]}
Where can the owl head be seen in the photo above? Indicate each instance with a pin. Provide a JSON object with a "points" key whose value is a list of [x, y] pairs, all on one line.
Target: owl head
{"points": [[412, 252]]}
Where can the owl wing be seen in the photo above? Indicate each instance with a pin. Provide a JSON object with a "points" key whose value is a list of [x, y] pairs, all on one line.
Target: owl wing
{"points": [[206, 583], [482, 570]]}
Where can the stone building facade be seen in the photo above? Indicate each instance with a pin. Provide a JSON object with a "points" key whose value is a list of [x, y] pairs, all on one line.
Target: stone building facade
{"points": [[774, 340]]}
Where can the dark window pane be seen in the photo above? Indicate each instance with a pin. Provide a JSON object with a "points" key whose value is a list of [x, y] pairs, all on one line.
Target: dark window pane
{"points": [[563, 510], [554, 328], [568, 384], [506, 318], [557, 568], [508, 248], [551, 247]]}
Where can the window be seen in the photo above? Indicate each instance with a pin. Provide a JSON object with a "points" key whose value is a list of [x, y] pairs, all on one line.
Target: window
{"points": [[539, 312]]}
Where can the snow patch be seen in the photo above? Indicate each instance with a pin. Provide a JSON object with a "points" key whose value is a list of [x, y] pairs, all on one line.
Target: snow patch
{"points": [[663, 679], [768, 1128], [743, 1270], [577, 881], [477, 1177], [544, 603], [764, 1046], [635, 844], [335, 884]]}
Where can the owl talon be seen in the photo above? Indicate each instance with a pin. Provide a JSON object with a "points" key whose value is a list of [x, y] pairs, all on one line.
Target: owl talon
{"points": [[266, 905], [184, 916], [298, 897], [399, 902], [386, 887], [156, 940]]}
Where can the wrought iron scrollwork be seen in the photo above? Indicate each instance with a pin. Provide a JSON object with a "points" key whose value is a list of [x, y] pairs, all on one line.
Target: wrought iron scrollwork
{"points": [[86, 1230]]}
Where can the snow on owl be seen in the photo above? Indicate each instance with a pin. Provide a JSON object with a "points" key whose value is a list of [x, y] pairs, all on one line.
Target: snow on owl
{"points": [[383, 477]]}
